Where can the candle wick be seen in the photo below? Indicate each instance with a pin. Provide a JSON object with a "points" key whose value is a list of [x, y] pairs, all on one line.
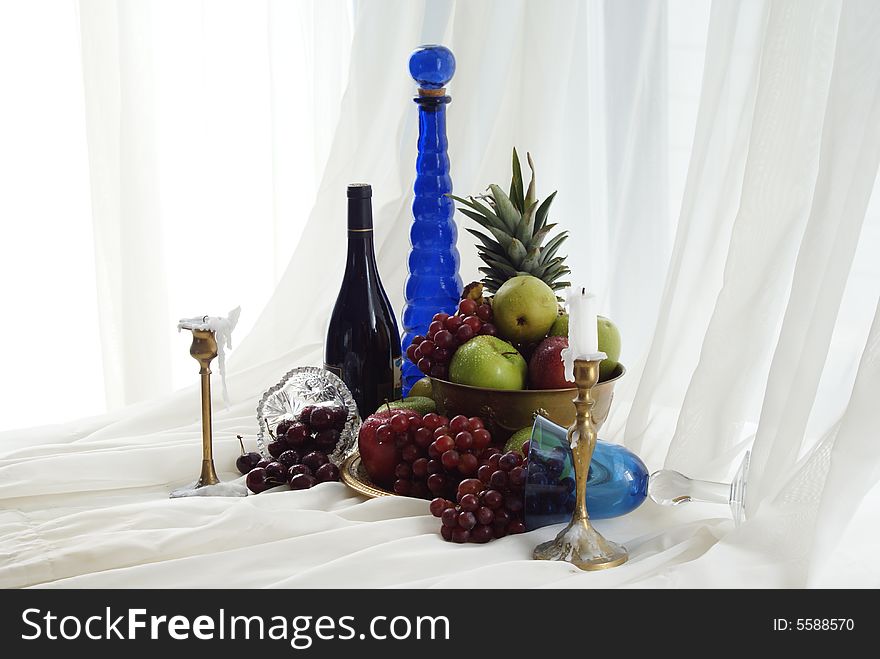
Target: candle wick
{"points": [[583, 290]]}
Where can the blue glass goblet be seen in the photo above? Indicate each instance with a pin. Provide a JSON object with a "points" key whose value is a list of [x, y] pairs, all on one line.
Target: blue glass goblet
{"points": [[617, 482]]}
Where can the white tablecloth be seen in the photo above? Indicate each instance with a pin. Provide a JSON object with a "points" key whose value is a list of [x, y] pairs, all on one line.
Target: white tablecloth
{"points": [[86, 505]]}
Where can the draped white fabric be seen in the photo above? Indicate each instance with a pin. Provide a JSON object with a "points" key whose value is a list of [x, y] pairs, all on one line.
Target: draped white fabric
{"points": [[747, 317]]}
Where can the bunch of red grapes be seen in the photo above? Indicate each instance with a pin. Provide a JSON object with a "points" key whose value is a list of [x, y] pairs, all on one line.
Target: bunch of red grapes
{"points": [[489, 506], [299, 450], [432, 353], [431, 453], [424, 456], [479, 492]]}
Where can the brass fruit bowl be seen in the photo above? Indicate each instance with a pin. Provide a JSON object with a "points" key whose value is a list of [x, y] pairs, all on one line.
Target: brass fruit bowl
{"points": [[505, 411]]}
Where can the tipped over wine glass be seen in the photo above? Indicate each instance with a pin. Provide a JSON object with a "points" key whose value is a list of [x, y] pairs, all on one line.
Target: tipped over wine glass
{"points": [[618, 481]]}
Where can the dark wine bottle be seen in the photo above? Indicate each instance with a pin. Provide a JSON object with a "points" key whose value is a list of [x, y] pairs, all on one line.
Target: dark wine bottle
{"points": [[363, 342]]}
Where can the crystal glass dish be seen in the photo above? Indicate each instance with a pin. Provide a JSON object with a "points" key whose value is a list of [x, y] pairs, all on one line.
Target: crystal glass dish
{"points": [[304, 386]]}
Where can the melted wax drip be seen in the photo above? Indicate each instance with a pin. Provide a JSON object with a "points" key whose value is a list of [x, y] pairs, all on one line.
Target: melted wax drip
{"points": [[222, 328]]}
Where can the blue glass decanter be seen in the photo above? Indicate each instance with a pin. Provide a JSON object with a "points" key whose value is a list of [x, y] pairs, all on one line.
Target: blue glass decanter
{"points": [[433, 284]]}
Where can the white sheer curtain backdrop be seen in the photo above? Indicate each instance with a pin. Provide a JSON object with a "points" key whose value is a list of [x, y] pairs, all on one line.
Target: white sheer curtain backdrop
{"points": [[795, 151], [49, 322], [747, 316], [234, 104], [178, 145]]}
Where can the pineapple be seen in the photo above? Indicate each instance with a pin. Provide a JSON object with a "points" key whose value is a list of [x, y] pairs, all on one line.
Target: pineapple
{"points": [[518, 227]]}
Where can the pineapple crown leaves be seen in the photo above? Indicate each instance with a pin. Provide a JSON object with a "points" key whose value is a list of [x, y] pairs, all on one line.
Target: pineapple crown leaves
{"points": [[517, 227]]}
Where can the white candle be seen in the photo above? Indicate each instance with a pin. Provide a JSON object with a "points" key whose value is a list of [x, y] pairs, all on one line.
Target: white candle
{"points": [[583, 329], [222, 328]]}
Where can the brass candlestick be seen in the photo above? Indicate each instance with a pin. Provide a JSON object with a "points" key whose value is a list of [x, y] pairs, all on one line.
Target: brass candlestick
{"points": [[204, 350], [579, 543]]}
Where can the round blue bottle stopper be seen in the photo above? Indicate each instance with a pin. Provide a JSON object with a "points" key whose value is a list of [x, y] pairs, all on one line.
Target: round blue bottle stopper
{"points": [[432, 66]]}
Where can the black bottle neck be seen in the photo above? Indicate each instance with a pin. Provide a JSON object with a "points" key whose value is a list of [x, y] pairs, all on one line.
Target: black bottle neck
{"points": [[360, 215], [361, 251]]}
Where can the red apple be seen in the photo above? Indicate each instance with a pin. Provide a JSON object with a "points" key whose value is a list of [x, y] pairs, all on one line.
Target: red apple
{"points": [[545, 367], [380, 458]]}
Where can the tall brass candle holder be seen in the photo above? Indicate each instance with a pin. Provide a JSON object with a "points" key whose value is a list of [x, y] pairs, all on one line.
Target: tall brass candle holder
{"points": [[579, 543], [204, 349]]}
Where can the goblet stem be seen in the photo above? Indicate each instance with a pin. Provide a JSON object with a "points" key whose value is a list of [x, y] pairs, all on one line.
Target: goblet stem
{"points": [[579, 543], [672, 488]]}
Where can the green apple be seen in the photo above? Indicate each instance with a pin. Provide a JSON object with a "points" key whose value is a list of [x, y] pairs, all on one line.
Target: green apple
{"points": [[560, 326], [517, 439], [419, 404], [524, 308], [609, 343], [421, 388], [487, 361]]}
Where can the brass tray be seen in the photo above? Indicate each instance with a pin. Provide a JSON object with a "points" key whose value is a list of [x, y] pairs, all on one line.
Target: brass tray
{"points": [[354, 474]]}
